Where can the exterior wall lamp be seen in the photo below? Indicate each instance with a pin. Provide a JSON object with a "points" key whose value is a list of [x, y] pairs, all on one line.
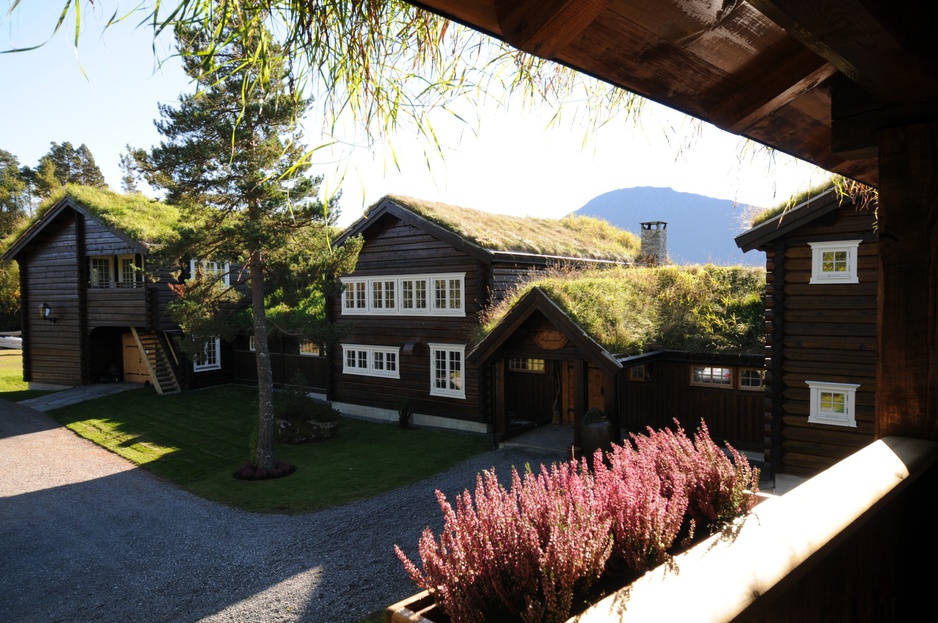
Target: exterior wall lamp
{"points": [[45, 312]]}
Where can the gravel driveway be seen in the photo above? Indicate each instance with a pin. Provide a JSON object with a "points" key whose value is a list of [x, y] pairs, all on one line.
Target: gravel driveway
{"points": [[86, 536]]}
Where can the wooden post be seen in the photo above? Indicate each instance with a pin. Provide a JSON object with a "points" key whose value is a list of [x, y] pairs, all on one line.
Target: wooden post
{"points": [[580, 398], [907, 367], [498, 391]]}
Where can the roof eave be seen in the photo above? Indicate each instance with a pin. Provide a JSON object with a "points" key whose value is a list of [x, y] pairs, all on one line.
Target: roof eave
{"points": [[777, 226]]}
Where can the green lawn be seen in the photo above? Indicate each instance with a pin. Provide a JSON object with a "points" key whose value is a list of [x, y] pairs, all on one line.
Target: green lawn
{"points": [[12, 385], [197, 439]]}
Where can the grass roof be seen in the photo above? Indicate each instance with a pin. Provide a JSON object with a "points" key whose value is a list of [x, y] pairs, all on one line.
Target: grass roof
{"points": [[139, 217], [760, 217], [573, 236], [633, 310]]}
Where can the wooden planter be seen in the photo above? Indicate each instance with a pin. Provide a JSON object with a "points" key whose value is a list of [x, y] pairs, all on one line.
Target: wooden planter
{"points": [[595, 436], [419, 608]]}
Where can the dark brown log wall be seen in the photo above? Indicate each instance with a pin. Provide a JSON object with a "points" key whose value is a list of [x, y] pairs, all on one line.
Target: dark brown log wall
{"points": [[827, 332], [51, 273]]}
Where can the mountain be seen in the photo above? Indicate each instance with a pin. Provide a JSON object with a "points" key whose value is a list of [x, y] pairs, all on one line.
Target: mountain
{"points": [[700, 229]]}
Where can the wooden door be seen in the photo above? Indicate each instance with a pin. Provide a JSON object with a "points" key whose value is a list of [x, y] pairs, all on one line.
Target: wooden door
{"points": [[135, 368]]}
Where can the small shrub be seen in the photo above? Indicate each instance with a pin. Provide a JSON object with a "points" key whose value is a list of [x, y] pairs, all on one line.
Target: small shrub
{"points": [[404, 413], [519, 554], [302, 418], [593, 414]]}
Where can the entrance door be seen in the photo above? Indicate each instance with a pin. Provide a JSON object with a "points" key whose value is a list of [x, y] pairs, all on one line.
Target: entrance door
{"points": [[135, 369], [529, 392]]}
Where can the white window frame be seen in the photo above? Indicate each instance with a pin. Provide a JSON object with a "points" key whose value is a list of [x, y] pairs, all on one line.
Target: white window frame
{"points": [[751, 388], [210, 358], [820, 414], [707, 380], [132, 280], [309, 344], [818, 249], [453, 389], [212, 267], [95, 283], [389, 295], [369, 360]]}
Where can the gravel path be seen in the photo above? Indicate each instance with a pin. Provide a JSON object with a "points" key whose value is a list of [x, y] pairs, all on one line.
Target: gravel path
{"points": [[86, 536]]}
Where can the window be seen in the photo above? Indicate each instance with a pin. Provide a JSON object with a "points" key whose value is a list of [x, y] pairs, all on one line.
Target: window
{"points": [[637, 373], [834, 262], [370, 361], [712, 376], [833, 403], [751, 379], [308, 348], [406, 295], [100, 272], [355, 298], [211, 269], [526, 365], [446, 370], [208, 357], [128, 276], [252, 344]]}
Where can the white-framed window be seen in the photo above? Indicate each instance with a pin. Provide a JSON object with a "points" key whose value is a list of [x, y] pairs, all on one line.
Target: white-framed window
{"points": [[521, 364], [309, 348], [100, 271], [712, 376], [834, 262], [447, 370], [370, 360], [252, 344], [751, 379], [208, 357], [405, 295], [128, 275], [833, 403], [211, 268]]}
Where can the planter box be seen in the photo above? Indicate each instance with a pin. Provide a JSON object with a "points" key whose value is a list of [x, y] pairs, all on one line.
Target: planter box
{"points": [[418, 608]]}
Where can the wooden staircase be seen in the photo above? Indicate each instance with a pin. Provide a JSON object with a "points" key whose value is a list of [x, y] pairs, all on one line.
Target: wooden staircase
{"points": [[157, 362]]}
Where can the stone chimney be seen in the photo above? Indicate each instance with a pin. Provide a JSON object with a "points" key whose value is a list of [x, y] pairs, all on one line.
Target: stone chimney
{"points": [[654, 242]]}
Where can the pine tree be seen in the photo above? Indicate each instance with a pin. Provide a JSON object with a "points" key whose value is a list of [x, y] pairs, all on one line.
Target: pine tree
{"points": [[62, 165], [14, 198], [232, 159]]}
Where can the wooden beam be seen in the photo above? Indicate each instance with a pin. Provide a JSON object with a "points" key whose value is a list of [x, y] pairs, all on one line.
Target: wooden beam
{"points": [[544, 27], [907, 365], [774, 89], [879, 57]]}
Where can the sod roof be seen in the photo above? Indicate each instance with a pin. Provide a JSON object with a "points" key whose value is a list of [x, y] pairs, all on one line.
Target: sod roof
{"points": [[629, 311], [138, 217], [570, 237]]}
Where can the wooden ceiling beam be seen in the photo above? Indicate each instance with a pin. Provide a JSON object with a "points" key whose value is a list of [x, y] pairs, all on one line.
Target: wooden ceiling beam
{"points": [[773, 90], [851, 38], [544, 27]]}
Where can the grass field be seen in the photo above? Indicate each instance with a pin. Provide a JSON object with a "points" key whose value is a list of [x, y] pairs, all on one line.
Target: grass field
{"points": [[12, 386], [197, 439]]}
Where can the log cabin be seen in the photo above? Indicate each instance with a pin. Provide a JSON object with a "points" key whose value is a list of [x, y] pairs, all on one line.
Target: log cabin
{"points": [[411, 308], [821, 336], [645, 345], [93, 309]]}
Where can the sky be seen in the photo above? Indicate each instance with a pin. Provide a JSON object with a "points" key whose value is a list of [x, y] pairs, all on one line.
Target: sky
{"points": [[511, 162]]}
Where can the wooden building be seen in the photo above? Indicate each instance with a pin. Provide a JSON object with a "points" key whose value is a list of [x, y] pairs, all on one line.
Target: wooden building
{"points": [[90, 313], [821, 335], [425, 273], [545, 364]]}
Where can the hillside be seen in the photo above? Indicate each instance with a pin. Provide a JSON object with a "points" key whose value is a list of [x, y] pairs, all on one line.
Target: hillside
{"points": [[700, 229]]}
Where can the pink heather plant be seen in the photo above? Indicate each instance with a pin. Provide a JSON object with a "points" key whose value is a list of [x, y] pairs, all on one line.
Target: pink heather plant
{"points": [[517, 555], [716, 486], [646, 509]]}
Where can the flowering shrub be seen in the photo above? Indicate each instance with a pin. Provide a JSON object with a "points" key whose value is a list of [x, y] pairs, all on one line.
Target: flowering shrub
{"points": [[716, 486], [518, 554], [525, 553], [645, 505]]}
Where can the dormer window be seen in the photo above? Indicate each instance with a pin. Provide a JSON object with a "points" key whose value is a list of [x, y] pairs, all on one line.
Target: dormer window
{"points": [[834, 262]]}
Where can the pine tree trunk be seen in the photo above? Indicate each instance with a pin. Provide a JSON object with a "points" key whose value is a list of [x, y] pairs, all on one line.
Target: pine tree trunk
{"points": [[264, 455]]}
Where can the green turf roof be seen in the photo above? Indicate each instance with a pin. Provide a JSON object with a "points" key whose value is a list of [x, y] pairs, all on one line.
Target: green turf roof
{"points": [[760, 217], [633, 310], [573, 236], [140, 218]]}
